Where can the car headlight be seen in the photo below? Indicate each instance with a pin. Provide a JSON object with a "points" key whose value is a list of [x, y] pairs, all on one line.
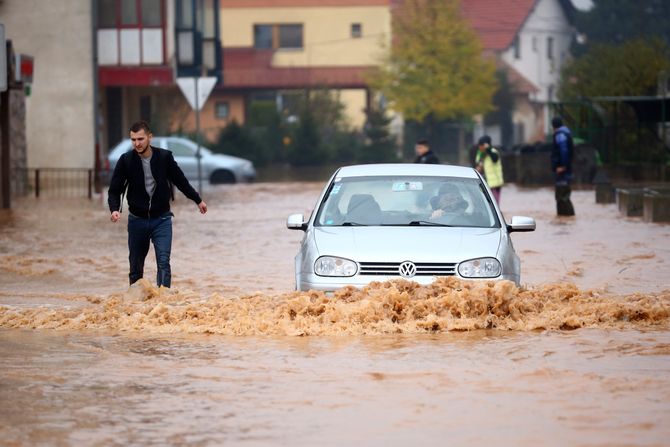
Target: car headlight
{"points": [[480, 268], [333, 266]]}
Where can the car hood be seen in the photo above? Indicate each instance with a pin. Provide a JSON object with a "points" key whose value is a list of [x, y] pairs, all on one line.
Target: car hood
{"points": [[397, 244]]}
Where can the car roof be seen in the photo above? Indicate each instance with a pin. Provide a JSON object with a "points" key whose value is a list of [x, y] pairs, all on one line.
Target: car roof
{"points": [[383, 169]]}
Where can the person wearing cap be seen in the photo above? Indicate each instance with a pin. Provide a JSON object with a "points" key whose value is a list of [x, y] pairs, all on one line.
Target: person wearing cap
{"points": [[448, 201], [561, 165], [424, 154], [489, 164]]}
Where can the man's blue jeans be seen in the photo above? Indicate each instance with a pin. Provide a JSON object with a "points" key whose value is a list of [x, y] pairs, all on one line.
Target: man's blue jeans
{"points": [[141, 231]]}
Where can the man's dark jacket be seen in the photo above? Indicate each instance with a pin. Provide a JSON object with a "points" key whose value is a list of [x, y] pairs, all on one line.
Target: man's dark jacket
{"points": [[427, 158], [165, 170], [562, 154]]}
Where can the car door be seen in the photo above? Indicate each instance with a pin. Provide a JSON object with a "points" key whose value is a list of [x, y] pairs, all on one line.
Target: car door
{"points": [[184, 155]]}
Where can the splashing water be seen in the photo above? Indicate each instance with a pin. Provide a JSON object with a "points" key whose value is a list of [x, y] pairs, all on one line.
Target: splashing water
{"points": [[390, 307]]}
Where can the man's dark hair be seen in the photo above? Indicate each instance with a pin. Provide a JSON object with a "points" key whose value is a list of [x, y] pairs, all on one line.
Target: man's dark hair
{"points": [[423, 142], [140, 125], [556, 122]]}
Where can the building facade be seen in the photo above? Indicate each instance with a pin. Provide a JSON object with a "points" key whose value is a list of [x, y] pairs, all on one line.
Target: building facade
{"points": [[530, 40], [60, 119], [102, 64]]}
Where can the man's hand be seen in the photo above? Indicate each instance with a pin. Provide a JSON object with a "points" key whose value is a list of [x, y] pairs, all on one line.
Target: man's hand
{"points": [[202, 206], [437, 213], [560, 169], [116, 216]]}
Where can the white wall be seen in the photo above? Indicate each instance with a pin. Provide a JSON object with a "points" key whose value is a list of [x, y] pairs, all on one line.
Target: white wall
{"points": [[59, 111], [547, 20]]}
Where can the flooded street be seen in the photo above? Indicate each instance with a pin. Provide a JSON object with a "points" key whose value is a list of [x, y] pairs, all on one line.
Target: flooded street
{"points": [[579, 355]]}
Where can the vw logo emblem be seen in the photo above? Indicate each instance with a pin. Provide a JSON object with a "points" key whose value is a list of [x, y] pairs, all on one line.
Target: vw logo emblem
{"points": [[407, 269]]}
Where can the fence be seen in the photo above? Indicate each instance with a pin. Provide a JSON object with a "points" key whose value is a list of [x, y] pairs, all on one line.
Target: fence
{"points": [[59, 182]]}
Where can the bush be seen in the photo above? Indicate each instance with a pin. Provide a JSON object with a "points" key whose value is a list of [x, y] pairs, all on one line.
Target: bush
{"points": [[305, 148], [240, 141]]}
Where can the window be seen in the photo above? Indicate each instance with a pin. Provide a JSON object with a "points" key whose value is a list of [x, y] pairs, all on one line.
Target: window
{"points": [[517, 47], [290, 36], [106, 13], [535, 43], [278, 36], [356, 30], [399, 200], [197, 37], [222, 110], [550, 48], [185, 46], [263, 36], [184, 13], [180, 149], [129, 13], [130, 32], [151, 13]]}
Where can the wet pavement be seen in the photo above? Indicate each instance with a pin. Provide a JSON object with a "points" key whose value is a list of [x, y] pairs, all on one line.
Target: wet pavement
{"points": [[579, 355]]}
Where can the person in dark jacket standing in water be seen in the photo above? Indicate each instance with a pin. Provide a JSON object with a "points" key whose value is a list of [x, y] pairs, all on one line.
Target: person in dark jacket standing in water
{"points": [[148, 172], [561, 164], [424, 154]]}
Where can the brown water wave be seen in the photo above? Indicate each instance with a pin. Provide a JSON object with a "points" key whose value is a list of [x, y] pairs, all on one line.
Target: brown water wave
{"points": [[381, 308]]}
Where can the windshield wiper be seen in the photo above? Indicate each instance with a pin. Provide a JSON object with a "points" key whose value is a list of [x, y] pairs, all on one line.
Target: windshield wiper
{"points": [[428, 223], [353, 224]]}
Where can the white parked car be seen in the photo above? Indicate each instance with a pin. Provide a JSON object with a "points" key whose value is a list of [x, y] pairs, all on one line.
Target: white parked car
{"points": [[413, 221], [216, 168]]}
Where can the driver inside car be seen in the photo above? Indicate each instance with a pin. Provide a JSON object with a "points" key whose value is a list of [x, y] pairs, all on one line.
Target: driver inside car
{"points": [[448, 201]]}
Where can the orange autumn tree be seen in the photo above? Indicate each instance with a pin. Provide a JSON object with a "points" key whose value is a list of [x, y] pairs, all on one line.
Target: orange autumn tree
{"points": [[435, 65]]}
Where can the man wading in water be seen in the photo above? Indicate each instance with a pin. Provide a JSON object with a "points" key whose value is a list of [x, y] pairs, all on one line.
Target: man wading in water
{"points": [[148, 172]]}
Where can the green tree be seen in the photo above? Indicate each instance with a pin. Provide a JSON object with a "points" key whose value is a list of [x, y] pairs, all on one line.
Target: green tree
{"points": [[380, 145], [631, 68], [306, 148], [321, 134], [435, 66], [265, 125]]}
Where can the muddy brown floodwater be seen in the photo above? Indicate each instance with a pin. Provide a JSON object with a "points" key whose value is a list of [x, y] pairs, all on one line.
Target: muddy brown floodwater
{"points": [[579, 355]]}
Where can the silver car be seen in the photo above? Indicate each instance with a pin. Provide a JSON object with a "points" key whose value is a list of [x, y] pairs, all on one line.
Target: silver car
{"points": [[414, 221], [216, 168]]}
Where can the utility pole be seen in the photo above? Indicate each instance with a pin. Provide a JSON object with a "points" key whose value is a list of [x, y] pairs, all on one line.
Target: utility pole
{"points": [[5, 54]]}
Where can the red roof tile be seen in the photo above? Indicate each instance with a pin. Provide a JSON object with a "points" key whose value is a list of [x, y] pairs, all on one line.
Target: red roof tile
{"points": [[497, 21]]}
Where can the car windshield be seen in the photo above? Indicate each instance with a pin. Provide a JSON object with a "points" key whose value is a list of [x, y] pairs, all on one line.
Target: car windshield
{"points": [[403, 200]]}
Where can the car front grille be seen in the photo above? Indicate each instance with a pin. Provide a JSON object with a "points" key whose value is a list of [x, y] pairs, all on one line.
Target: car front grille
{"points": [[422, 268]]}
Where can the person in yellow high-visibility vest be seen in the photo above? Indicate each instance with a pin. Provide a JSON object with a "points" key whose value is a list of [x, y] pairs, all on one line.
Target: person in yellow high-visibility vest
{"points": [[489, 163]]}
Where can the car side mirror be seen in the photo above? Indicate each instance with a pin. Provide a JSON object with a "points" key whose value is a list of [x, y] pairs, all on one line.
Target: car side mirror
{"points": [[296, 222], [521, 223]]}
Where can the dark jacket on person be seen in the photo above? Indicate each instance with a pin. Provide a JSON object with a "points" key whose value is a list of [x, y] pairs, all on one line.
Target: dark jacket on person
{"points": [[561, 154], [427, 158], [166, 172]]}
